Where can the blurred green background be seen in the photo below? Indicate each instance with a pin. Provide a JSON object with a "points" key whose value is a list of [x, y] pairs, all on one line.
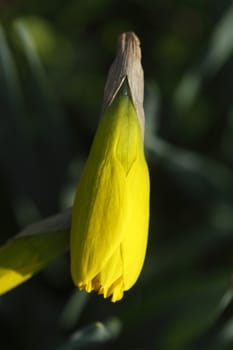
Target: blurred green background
{"points": [[54, 58]]}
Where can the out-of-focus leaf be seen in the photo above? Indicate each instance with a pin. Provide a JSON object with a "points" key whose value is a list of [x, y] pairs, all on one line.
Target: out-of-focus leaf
{"points": [[152, 110], [10, 76], [220, 335], [177, 254], [32, 249], [39, 81], [219, 51], [226, 335], [199, 175], [33, 117], [189, 303], [227, 139], [93, 336], [194, 314], [73, 309]]}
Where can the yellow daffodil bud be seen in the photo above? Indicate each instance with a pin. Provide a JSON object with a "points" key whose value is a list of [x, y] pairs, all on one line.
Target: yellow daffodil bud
{"points": [[111, 208]]}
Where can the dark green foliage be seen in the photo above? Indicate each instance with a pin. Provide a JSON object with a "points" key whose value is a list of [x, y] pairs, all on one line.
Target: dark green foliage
{"points": [[54, 57]]}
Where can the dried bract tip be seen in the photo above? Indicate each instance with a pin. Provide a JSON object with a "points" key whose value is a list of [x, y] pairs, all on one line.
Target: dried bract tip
{"points": [[127, 65]]}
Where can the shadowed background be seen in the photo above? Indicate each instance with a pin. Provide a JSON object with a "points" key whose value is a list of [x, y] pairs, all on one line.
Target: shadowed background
{"points": [[54, 59]]}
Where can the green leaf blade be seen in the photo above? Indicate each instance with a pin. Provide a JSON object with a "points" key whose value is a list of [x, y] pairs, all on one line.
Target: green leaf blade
{"points": [[34, 248]]}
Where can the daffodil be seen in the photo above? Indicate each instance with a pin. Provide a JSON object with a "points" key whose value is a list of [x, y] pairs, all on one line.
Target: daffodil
{"points": [[111, 209], [110, 215]]}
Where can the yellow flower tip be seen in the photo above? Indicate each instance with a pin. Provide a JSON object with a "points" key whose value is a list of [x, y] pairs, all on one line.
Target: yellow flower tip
{"points": [[102, 291], [87, 286], [115, 291]]}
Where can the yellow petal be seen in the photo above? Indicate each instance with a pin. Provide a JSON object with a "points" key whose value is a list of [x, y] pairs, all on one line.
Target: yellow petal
{"points": [[98, 219], [100, 205], [112, 270], [135, 241], [111, 276]]}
